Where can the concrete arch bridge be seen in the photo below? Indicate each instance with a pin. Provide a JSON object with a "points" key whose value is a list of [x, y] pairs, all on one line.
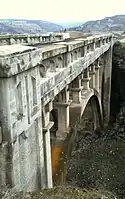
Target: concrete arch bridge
{"points": [[44, 91]]}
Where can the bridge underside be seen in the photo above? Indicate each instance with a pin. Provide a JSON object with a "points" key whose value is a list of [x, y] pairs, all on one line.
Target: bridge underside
{"points": [[86, 117], [93, 93]]}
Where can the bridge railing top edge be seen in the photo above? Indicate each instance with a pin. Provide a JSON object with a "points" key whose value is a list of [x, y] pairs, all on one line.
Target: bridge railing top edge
{"points": [[39, 35], [14, 36], [17, 49], [76, 43]]}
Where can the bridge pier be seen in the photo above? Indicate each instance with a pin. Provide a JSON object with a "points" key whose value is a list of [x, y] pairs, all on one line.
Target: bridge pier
{"points": [[107, 85], [47, 125]]}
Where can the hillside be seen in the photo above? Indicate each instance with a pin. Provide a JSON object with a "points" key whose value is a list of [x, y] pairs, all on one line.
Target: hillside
{"points": [[16, 26], [114, 23]]}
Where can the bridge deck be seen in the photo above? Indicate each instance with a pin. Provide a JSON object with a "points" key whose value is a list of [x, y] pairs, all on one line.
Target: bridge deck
{"points": [[14, 49]]}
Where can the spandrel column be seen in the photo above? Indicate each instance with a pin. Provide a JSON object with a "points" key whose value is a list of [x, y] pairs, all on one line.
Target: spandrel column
{"points": [[97, 68], [76, 89], [92, 76], [86, 80], [63, 113]]}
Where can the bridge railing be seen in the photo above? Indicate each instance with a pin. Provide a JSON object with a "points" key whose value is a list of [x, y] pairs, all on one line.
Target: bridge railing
{"points": [[76, 48], [21, 38], [54, 82], [52, 57]]}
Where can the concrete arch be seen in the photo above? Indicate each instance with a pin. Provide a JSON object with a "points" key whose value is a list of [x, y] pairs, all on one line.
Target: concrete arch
{"points": [[76, 113], [77, 110], [91, 118]]}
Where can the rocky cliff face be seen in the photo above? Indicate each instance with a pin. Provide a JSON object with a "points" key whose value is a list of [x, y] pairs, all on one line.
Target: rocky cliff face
{"points": [[14, 26]]}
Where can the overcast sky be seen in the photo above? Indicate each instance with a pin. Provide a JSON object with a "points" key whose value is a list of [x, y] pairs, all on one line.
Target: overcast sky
{"points": [[61, 10]]}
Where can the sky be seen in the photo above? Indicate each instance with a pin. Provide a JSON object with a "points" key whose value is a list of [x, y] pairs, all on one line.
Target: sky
{"points": [[61, 11]]}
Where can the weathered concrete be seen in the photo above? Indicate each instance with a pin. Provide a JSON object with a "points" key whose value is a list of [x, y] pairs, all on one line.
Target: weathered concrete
{"points": [[33, 39], [34, 81]]}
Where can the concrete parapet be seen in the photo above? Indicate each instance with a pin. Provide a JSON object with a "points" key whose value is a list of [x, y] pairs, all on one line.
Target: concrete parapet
{"points": [[33, 39]]}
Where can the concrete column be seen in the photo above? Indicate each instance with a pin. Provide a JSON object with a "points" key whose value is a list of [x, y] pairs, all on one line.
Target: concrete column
{"points": [[11, 40], [47, 125], [97, 67], [104, 41], [88, 48], [75, 55], [68, 58], [63, 120], [85, 48], [62, 106], [76, 90], [100, 42], [101, 76], [107, 85], [63, 114], [79, 52], [93, 45], [47, 151], [82, 51], [92, 76], [40, 39], [86, 80]]}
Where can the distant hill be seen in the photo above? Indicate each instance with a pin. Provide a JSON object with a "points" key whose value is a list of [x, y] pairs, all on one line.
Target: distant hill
{"points": [[114, 23], [16, 26]]}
